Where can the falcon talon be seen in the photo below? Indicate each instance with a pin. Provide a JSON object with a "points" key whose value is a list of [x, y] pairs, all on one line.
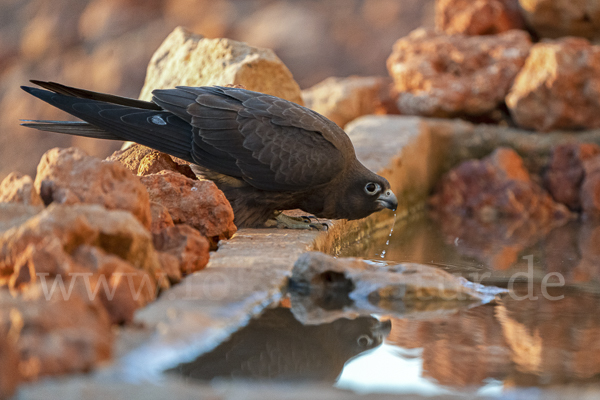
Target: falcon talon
{"points": [[240, 140]]}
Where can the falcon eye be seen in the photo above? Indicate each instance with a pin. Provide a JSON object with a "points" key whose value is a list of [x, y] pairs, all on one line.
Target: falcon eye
{"points": [[372, 188], [364, 341]]}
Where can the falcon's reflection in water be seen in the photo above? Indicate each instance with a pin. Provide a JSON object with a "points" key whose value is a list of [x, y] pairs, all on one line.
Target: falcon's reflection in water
{"points": [[275, 346]]}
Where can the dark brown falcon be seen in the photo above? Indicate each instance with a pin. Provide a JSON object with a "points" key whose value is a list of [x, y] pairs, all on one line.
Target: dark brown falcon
{"points": [[266, 154]]}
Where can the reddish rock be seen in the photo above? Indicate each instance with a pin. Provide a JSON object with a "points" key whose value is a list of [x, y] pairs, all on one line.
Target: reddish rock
{"points": [[496, 186], [344, 99], [442, 75], [478, 17], [69, 176], [170, 266], [185, 243], [58, 332], [122, 289], [142, 160], [114, 231], [558, 18], [590, 188], [14, 214], [559, 87], [196, 203], [9, 362], [160, 217], [565, 173], [46, 259], [18, 188]]}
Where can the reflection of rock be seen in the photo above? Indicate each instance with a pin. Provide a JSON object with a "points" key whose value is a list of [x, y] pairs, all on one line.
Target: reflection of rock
{"points": [[326, 288], [557, 341], [447, 75], [478, 17], [558, 87], [565, 172], [588, 268], [496, 186], [344, 99], [461, 350], [496, 243], [590, 188], [521, 341], [277, 346]]}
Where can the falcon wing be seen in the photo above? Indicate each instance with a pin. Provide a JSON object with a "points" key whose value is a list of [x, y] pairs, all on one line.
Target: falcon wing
{"points": [[270, 143]]}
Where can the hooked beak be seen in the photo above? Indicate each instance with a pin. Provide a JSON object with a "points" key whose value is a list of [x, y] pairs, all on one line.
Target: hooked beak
{"points": [[388, 200]]}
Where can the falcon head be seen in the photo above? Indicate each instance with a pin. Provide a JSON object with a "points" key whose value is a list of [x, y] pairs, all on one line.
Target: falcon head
{"points": [[366, 195]]}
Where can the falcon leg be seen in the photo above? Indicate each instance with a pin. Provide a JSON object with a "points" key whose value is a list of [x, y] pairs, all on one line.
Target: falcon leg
{"points": [[280, 220]]}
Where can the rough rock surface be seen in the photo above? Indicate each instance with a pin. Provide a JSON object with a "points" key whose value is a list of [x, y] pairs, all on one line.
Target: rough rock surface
{"points": [[590, 188], [496, 186], [41, 260], [14, 214], [18, 188], [69, 176], [478, 17], [114, 231], [190, 248], [196, 203], [344, 99], [557, 18], [559, 87], [57, 332], [442, 75], [188, 59], [142, 160], [122, 289], [160, 217], [327, 288], [9, 362], [565, 172]]}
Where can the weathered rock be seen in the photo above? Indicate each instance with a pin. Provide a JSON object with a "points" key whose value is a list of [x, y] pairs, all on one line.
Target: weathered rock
{"points": [[9, 362], [42, 260], [344, 99], [326, 288], [122, 289], [557, 18], [142, 160], [559, 87], [185, 243], [60, 329], [18, 188], [160, 217], [14, 214], [478, 17], [114, 231], [187, 59], [565, 173], [196, 203], [496, 186], [170, 266], [440, 75], [590, 188], [69, 176]]}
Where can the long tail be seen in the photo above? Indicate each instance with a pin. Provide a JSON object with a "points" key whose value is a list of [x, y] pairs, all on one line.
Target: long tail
{"points": [[115, 118]]}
